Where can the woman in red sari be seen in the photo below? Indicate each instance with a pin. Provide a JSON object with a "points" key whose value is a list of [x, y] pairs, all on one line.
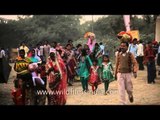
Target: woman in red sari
{"points": [[57, 80], [71, 64]]}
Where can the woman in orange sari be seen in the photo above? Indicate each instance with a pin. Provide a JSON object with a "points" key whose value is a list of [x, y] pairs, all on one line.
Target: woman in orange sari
{"points": [[57, 80]]}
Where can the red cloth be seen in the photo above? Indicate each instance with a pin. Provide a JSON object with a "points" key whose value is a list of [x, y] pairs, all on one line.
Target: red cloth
{"points": [[154, 42], [149, 54], [60, 92], [29, 54], [17, 96], [94, 77], [42, 71]]}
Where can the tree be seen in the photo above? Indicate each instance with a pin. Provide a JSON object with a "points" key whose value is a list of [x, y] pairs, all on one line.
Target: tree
{"points": [[34, 29], [110, 25], [146, 26]]}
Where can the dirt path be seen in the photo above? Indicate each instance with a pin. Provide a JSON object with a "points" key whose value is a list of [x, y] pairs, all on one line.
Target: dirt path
{"points": [[144, 94]]}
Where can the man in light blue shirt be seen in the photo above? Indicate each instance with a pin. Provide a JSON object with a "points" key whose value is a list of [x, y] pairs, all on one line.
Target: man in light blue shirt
{"points": [[158, 58], [102, 47], [133, 47]]}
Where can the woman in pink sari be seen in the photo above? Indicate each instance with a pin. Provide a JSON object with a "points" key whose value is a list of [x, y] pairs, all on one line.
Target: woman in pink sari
{"points": [[57, 80], [91, 41]]}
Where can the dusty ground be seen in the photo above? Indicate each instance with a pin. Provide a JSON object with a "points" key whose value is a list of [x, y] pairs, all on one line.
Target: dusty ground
{"points": [[144, 94]]}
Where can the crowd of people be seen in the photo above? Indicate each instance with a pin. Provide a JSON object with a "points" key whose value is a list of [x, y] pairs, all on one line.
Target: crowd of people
{"points": [[53, 67]]}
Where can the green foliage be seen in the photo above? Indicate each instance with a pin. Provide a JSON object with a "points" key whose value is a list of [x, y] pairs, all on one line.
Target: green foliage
{"points": [[110, 25], [60, 28], [147, 37], [38, 28]]}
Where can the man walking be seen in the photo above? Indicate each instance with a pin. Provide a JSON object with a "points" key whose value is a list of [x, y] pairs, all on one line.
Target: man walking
{"points": [[125, 61]]}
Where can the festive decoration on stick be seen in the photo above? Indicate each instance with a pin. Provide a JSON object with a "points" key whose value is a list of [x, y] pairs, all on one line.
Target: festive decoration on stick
{"points": [[89, 34], [124, 36]]}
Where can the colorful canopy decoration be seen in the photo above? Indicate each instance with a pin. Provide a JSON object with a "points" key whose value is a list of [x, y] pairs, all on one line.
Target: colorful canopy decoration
{"points": [[124, 36], [87, 34]]}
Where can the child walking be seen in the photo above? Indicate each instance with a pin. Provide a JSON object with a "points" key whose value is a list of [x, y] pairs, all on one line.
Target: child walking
{"points": [[94, 79], [84, 67], [107, 75]]}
